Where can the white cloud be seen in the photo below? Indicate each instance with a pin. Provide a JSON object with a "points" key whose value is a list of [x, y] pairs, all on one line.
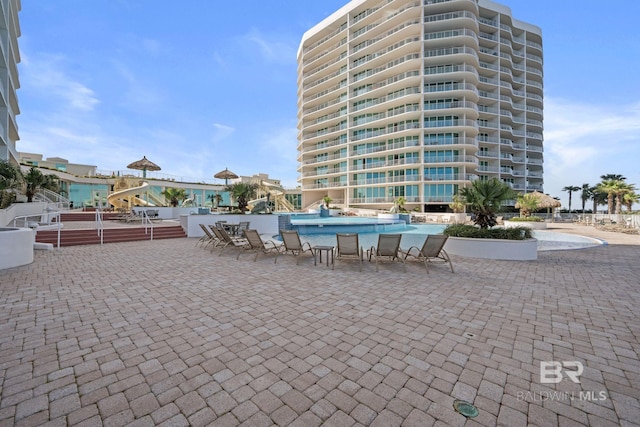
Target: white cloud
{"points": [[282, 52], [584, 141], [222, 132], [46, 73]]}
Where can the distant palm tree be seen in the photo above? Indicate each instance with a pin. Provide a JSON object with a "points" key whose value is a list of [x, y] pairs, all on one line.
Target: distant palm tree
{"points": [[10, 179], [570, 189], [174, 195], [587, 193], [629, 199], [52, 183], [598, 197], [242, 192], [34, 180], [623, 189], [612, 177], [610, 187], [485, 199]]}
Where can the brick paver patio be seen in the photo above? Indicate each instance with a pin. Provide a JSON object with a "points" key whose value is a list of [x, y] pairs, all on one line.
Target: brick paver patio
{"points": [[166, 333]]}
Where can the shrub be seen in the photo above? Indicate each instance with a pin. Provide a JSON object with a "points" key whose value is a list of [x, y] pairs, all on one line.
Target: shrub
{"points": [[526, 219], [470, 231]]}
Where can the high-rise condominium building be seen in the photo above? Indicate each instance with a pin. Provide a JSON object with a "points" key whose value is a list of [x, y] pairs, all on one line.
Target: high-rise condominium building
{"points": [[9, 83], [416, 99]]}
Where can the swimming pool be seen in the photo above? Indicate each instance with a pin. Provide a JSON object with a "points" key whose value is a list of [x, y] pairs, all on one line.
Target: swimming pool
{"points": [[414, 234], [331, 225]]}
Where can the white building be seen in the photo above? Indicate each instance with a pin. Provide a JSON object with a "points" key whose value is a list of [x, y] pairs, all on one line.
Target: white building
{"points": [[417, 98], [9, 83]]}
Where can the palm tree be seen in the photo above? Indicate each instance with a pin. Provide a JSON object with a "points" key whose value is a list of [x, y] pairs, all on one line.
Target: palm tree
{"points": [[215, 199], [612, 177], [10, 179], [485, 199], [587, 193], [52, 183], [527, 203], [242, 192], [34, 180], [570, 189], [623, 189], [175, 195], [599, 198], [610, 188], [629, 199]]}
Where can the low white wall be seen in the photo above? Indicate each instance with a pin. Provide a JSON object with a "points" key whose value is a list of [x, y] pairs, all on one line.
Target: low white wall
{"points": [[264, 224], [516, 250], [16, 246], [528, 224], [393, 216], [20, 209]]}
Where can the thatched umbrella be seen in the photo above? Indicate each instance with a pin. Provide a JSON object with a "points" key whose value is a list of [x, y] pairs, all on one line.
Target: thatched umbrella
{"points": [[226, 174], [144, 165], [545, 201]]}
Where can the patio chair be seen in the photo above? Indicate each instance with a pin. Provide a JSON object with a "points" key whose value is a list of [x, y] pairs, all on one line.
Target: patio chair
{"points": [[293, 244], [389, 248], [349, 247], [208, 236], [257, 245], [242, 225], [236, 242], [432, 249]]}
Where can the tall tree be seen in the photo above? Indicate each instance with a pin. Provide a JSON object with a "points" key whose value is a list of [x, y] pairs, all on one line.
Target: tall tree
{"points": [[609, 187], [599, 198], [587, 193], [623, 189], [612, 177], [629, 199], [570, 189]]}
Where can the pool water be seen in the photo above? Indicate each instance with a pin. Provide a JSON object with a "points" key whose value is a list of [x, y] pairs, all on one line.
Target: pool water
{"points": [[415, 234]]}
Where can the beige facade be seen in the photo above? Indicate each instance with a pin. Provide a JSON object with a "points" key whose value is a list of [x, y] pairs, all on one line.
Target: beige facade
{"points": [[9, 82], [416, 99], [56, 163]]}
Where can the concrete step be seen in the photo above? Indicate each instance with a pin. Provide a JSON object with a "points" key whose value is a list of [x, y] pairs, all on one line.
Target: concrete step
{"points": [[111, 235], [85, 216]]}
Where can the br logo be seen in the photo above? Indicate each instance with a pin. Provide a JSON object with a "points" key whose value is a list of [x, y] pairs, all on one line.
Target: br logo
{"points": [[552, 372]]}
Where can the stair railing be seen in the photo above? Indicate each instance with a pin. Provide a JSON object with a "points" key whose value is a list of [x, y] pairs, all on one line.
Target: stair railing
{"points": [[148, 225], [100, 225], [34, 224]]}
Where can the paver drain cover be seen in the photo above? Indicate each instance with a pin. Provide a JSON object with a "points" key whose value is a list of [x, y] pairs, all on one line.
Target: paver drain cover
{"points": [[465, 408]]}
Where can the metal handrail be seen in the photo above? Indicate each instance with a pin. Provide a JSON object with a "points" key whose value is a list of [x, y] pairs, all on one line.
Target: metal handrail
{"points": [[146, 221], [100, 225], [53, 214]]}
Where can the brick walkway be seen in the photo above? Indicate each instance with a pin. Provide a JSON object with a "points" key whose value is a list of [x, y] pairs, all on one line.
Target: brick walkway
{"points": [[166, 333]]}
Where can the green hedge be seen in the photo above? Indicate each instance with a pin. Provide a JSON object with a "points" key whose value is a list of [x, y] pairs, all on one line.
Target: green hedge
{"points": [[526, 219], [470, 231]]}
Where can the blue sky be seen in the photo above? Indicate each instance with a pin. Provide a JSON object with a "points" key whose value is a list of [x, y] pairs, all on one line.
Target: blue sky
{"points": [[200, 85]]}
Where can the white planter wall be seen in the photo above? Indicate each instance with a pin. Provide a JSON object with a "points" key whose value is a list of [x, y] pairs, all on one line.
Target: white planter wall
{"points": [[528, 224], [516, 250], [16, 246]]}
